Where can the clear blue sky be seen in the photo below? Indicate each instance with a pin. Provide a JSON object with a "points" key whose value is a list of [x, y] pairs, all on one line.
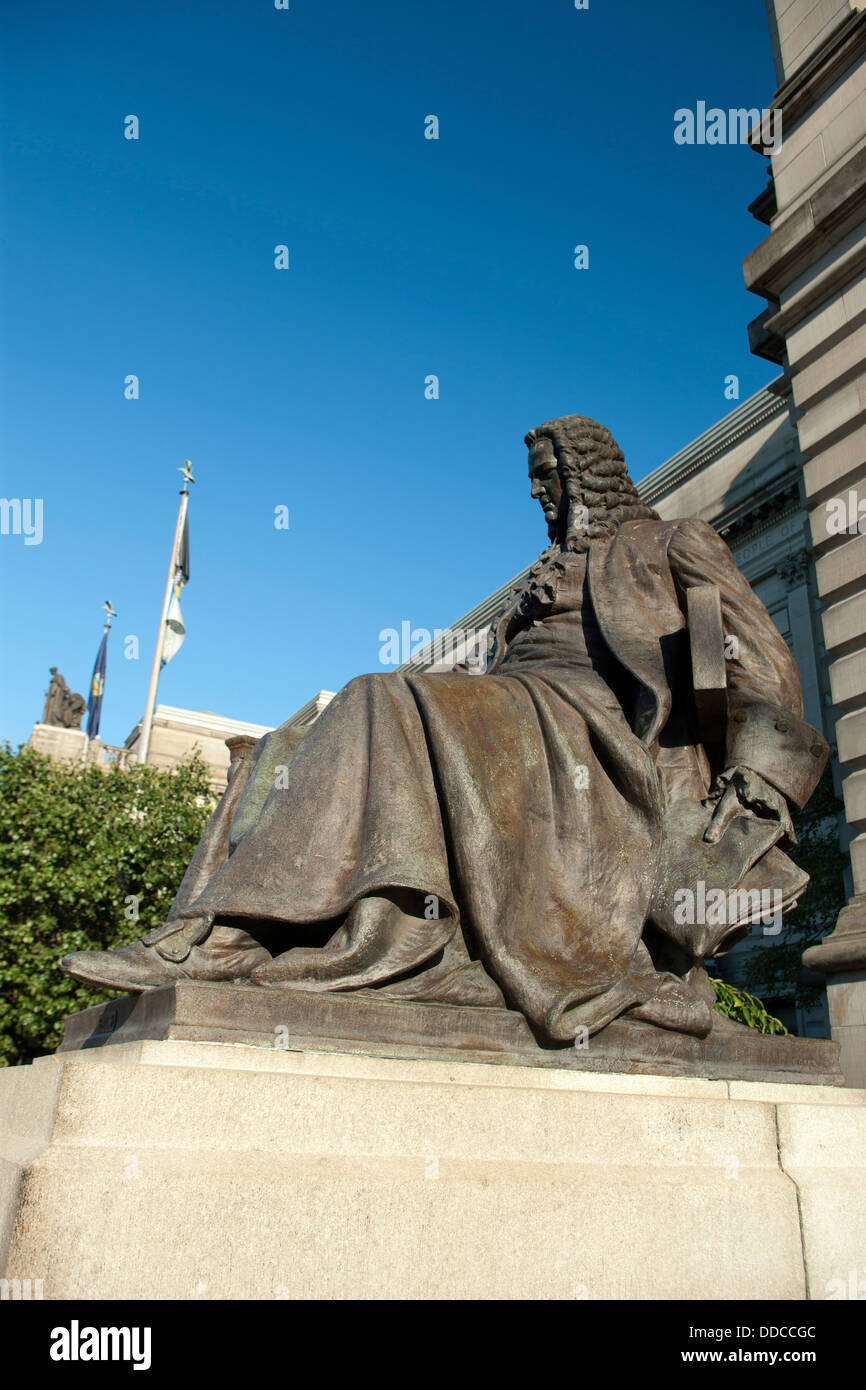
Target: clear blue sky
{"points": [[305, 387]]}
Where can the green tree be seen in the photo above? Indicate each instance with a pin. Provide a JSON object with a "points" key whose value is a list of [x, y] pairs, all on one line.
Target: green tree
{"points": [[89, 860], [776, 970]]}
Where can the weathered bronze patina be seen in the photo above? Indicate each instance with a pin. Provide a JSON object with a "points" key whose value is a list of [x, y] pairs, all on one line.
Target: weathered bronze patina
{"points": [[528, 837]]}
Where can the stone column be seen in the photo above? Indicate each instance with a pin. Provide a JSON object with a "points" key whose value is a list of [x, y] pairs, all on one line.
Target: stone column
{"points": [[812, 271], [794, 573]]}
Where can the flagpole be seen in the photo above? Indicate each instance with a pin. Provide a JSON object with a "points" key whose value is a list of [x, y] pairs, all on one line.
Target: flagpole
{"points": [[150, 704], [94, 701], [111, 614]]}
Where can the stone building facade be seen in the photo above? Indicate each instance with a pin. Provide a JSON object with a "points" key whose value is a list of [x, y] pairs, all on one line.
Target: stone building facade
{"points": [[176, 732], [810, 270]]}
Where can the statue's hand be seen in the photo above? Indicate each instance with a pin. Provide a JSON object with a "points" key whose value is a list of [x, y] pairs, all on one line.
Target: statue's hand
{"points": [[739, 787]]}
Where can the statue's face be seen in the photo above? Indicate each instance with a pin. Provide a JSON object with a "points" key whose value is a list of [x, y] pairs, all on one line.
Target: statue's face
{"points": [[546, 483]]}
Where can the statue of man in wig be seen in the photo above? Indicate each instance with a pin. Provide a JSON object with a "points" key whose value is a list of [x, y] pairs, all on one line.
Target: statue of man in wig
{"points": [[527, 836]]}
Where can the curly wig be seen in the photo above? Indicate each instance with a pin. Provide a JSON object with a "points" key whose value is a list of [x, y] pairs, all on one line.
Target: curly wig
{"points": [[600, 493]]}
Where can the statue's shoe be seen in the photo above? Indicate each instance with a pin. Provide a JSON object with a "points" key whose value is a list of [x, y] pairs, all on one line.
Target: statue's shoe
{"points": [[681, 1005], [679, 1015], [139, 967]]}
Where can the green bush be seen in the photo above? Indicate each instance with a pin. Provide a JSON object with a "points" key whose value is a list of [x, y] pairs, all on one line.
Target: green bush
{"points": [[89, 860], [745, 1008]]}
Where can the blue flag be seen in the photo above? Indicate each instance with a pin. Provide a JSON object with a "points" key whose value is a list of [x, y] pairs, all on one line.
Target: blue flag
{"points": [[97, 685]]}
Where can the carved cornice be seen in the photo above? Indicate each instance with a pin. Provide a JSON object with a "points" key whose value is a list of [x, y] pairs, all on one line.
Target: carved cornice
{"points": [[763, 208], [845, 269], [796, 97], [807, 233], [753, 518], [763, 342], [709, 445], [169, 716]]}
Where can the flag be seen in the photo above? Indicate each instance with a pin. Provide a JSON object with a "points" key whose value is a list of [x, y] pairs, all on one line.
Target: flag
{"points": [[174, 625], [97, 685]]}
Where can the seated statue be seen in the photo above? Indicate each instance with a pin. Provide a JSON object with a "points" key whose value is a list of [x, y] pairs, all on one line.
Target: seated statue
{"points": [[519, 837]]}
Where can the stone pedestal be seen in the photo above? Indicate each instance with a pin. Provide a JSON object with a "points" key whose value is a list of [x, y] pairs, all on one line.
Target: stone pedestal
{"points": [[61, 745], [183, 1170]]}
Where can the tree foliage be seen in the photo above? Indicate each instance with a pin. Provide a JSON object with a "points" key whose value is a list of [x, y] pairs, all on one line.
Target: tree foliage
{"points": [[89, 860]]}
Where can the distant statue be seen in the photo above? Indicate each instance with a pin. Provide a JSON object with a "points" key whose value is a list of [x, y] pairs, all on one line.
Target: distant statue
{"points": [[570, 833], [74, 709], [63, 709], [54, 697]]}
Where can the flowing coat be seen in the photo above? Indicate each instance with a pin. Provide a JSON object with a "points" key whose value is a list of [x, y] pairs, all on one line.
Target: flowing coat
{"points": [[498, 838]]}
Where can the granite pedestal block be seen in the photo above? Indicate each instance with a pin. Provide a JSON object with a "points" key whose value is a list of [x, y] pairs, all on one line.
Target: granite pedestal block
{"points": [[181, 1169]]}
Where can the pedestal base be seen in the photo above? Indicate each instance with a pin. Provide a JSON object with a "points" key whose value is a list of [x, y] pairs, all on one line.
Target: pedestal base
{"points": [[363, 1021], [179, 1170], [60, 744]]}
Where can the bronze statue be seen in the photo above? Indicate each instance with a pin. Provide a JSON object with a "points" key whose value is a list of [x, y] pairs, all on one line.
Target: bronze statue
{"points": [[63, 709], [524, 836]]}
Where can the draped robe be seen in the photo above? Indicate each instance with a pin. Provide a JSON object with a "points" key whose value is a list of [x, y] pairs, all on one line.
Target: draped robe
{"points": [[497, 839]]}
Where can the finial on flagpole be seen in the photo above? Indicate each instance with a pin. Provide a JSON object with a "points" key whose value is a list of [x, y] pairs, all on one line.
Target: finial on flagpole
{"points": [[186, 472]]}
